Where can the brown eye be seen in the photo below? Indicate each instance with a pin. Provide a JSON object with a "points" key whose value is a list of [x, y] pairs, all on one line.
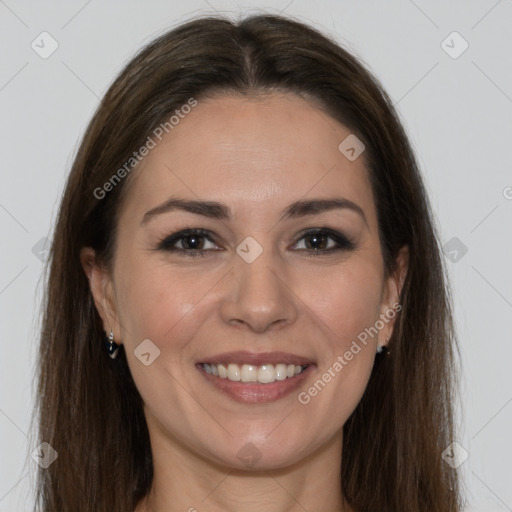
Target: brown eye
{"points": [[192, 242], [324, 241], [189, 242], [315, 242]]}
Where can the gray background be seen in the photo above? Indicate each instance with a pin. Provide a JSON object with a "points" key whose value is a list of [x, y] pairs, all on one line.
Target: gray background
{"points": [[457, 112]]}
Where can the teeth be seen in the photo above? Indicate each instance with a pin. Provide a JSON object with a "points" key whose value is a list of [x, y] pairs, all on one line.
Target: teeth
{"points": [[280, 371], [233, 372], [264, 374], [223, 371], [249, 373]]}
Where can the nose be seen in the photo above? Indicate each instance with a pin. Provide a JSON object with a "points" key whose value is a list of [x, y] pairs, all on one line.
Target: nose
{"points": [[259, 296]]}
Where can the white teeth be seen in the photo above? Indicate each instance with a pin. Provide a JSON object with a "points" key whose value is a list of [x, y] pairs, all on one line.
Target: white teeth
{"points": [[223, 371], [249, 373], [233, 372], [264, 374], [280, 372]]}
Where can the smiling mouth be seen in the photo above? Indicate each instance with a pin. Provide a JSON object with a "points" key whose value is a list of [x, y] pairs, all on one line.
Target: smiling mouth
{"points": [[248, 373]]}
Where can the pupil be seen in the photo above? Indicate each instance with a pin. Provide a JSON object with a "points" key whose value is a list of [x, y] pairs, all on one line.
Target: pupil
{"points": [[192, 241], [316, 240]]}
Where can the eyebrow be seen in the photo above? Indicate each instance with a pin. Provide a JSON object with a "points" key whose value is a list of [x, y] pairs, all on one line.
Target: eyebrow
{"points": [[219, 211]]}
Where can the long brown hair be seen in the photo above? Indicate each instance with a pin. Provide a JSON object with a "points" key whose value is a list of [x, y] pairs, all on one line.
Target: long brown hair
{"points": [[89, 409]]}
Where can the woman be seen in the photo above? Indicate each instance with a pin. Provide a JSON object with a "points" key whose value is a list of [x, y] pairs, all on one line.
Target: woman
{"points": [[246, 234]]}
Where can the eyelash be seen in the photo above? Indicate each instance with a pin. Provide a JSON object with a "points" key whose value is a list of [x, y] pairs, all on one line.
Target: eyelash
{"points": [[167, 244]]}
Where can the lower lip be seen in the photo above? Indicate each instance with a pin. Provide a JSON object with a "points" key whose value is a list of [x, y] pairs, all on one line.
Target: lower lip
{"points": [[255, 392]]}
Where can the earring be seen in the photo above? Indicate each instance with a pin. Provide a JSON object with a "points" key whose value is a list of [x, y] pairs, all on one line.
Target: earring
{"points": [[380, 348], [112, 348]]}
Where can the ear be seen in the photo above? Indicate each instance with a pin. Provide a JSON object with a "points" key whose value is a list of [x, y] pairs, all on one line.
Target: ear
{"points": [[102, 290], [391, 294]]}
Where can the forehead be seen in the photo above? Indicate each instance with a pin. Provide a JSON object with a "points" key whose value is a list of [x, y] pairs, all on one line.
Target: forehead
{"points": [[250, 152]]}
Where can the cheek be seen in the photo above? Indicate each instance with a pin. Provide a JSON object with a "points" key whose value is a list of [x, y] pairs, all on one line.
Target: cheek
{"points": [[346, 301], [153, 301], [345, 306], [166, 307]]}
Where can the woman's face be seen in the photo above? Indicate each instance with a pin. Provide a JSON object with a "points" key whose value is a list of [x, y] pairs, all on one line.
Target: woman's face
{"points": [[287, 270]]}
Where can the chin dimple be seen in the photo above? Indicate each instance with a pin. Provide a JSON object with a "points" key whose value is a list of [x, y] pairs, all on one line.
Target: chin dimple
{"points": [[264, 374]]}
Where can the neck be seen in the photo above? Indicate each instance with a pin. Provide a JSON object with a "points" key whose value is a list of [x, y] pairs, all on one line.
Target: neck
{"points": [[185, 482]]}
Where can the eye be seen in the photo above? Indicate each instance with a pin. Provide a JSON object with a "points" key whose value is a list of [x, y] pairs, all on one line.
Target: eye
{"points": [[323, 240], [190, 242], [197, 242]]}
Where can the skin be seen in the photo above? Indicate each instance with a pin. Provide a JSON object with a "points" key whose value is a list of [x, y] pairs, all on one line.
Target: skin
{"points": [[256, 156]]}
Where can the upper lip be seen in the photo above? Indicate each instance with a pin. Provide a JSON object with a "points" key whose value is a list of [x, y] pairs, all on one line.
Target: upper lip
{"points": [[257, 359]]}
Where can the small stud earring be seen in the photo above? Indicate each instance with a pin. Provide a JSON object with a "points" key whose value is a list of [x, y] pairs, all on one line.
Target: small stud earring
{"points": [[380, 348], [112, 348]]}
